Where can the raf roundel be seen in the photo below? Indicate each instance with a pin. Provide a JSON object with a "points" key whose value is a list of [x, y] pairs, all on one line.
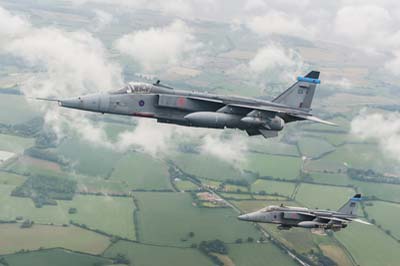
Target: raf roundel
{"points": [[141, 103]]}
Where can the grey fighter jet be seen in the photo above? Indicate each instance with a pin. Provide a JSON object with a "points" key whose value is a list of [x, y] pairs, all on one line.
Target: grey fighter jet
{"points": [[286, 217], [197, 109]]}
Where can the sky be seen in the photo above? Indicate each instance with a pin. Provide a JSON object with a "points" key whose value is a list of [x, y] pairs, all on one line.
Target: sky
{"points": [[77, 62]]}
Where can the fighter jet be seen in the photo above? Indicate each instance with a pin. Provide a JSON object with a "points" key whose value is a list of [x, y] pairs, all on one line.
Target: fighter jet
{"points": [[287, 217], [198, 109]]}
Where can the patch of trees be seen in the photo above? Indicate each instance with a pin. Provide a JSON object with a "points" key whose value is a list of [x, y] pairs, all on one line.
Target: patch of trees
{"points": [[27, 129], [27, 224], [3, 261], [237, 182], [45, 190], [46, 139], [121, 259], [72, 210], [370, 175], [44, 154], [213, 246]]}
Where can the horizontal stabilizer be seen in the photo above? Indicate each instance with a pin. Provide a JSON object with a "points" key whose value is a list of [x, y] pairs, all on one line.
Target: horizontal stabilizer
{"points": [[268, 133]]}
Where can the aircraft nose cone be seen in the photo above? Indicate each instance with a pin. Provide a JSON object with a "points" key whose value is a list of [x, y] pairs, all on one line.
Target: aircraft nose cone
{"points": [[72, 102], [243, 217], [94, 102]]}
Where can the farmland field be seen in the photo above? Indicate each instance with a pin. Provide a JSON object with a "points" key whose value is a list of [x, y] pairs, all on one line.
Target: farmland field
{"points": [[314, 147], [147, 255], [387, 215], [369, 246], [113, 215], [388, 192], [323, 197], [15, 144], [11, 179], [258, 254], [18, 109], [87, 158], [53, 257], [270, 187], [206, 166], [174, 213], [140, 171], [13, 238], [275, 166]]}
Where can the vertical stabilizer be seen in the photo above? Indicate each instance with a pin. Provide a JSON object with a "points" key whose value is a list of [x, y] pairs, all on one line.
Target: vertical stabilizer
{"points": [[350, 207], [301, 93]]}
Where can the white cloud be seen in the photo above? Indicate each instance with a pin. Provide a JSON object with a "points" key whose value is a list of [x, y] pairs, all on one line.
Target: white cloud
{"points": [[157, 48], [278, 22], [231, 150], [11, 25], [364, 25], [271, 64], [382, 128], [73, 62], [101, 20]]}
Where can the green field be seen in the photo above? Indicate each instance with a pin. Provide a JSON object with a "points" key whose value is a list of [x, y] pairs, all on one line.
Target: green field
{"points": [[206, 166], [13, 238], [18, 109], [331, 179], [370, 246], [388, 192], [323, 197], [271, 187], [11, 179], [259, 254], [100, 185], [53, 257], [14, 143], [26, 165], [141, 171], [274, 146], [184, 185], [236, 196], [146, 255], [361, 156], [314, 147], [167, 218], [113, 215], [275, 166], [89, 159], [387, 215]]}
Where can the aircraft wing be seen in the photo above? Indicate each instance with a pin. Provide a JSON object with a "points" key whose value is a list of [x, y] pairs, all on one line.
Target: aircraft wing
{"points": [[361, 221], [314, 119], [274, 109], [293, 112], [334, 219]]}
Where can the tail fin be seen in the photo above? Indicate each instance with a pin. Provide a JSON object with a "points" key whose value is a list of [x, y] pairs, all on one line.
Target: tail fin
{"points": [[350, 207], [300, 94]]}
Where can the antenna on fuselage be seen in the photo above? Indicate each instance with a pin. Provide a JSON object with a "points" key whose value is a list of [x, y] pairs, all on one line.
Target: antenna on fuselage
{"points": [[158, 84]]}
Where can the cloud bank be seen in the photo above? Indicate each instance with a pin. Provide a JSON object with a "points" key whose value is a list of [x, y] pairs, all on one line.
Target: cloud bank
{"points": [[158, 48], [381, 128]]}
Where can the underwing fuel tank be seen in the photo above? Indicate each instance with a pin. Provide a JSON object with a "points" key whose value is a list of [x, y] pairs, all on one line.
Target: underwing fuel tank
{"points": [[275, 123], [213, 120], [309, 224]]}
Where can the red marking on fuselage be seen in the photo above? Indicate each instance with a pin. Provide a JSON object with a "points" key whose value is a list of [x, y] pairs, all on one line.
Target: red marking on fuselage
{"points": [[181, 101], [143, 114]]}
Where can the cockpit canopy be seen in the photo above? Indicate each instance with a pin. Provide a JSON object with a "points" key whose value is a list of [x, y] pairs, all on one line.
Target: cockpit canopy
{"points": [[270, 208], [134, 87]]}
